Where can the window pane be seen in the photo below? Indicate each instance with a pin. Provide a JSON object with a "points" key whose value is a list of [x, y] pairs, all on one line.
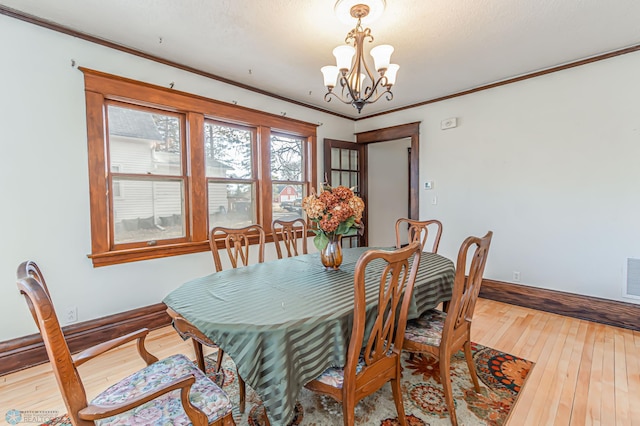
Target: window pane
{"points": [[344, 153], [148, 210], [287, 201], [286, 158], [348, 242], [335, 178], [345, 179], [231, 205], [354, 181], [227, 151], [354, 159], [335, 158], [144, 143]]}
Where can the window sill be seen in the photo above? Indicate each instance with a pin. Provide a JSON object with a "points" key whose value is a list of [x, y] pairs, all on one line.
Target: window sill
{"points": [[146, 253]]}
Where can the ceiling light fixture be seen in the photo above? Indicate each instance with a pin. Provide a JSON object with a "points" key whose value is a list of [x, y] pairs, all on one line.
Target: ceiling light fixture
{"points": [[357, 82]]}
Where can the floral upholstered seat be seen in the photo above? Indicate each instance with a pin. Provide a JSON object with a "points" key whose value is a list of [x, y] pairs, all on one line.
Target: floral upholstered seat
{"points": [[427, 329], [166, 409], [334, 376]]}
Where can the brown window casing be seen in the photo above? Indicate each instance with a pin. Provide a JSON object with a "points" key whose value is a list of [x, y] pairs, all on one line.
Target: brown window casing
{"points": [[101, 88]]}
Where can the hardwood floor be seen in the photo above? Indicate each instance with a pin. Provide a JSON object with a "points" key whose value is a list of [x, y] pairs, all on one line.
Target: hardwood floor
{"points": [[585, 373]]}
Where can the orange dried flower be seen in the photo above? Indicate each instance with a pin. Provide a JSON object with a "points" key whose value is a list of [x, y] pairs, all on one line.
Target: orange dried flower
{"points": [[343, 193], [335, 210], [357, 205], [328, 199]]}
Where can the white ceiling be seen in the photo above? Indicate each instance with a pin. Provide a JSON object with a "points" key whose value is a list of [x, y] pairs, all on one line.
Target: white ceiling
{"points": [[442, 46]]}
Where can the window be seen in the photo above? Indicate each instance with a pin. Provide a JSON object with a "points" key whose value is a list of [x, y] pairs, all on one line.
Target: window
{"points": [[231, 179], [288, 176], [147, 146], [165, 167]]}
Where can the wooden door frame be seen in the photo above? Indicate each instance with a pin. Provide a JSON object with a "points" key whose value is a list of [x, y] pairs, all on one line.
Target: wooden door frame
{"points": [[402, 131]]}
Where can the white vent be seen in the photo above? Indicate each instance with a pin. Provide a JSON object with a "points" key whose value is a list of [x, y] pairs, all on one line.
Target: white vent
{"points": [[632, 288]]}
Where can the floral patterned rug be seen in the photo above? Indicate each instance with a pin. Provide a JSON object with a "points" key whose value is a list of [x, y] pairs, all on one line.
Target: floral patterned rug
{"points": [[501, 378]]}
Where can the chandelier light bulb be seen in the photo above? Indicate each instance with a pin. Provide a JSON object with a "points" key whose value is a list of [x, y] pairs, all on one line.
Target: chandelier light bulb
{"points": [[357, 81], [382, 56], [330, 73], [344, 55], [391, 72]]}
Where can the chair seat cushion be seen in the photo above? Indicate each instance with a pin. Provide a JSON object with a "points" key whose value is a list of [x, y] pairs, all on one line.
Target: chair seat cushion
{"points": [[166, 409], [427, 329], [334, 376]]}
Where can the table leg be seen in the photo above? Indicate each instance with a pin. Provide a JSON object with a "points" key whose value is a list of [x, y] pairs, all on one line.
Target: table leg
{"points": [[241, 389], [197, 347]]}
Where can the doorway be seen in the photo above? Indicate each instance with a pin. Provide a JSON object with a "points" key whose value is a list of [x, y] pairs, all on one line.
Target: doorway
{"points": [[363, 139], [388, 189]]}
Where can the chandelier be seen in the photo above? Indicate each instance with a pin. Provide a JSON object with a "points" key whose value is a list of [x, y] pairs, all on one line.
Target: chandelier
{"points": [[358, 85]]}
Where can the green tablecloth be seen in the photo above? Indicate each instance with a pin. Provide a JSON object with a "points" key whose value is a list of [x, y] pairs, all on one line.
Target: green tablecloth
{"points": [[284, 322]]}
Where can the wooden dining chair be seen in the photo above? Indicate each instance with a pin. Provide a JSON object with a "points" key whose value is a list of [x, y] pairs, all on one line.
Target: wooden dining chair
{"points": [[184, 395], [442, 334], [419, 230], [367, 370], [236, 243], [292, 234]]}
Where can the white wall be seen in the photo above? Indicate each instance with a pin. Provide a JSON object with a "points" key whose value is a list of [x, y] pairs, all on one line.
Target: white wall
{"points": [[44, 187], [550, 164], [388, 171]]}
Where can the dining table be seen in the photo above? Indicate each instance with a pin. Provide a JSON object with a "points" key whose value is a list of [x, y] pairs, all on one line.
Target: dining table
{"points": [[283, 322]]}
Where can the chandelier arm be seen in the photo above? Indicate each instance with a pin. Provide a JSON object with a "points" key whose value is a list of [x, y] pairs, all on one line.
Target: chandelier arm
{"points": [[344, 82], [367, 33], [387, 92], [371, 91], [327, 97], [359, 62]]}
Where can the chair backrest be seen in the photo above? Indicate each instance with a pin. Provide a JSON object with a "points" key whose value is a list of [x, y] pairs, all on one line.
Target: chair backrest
{"points": [[396, 277], [30, 269], [419, 231], [236, 243], [290, 232], [43, 312], [472, 258]]}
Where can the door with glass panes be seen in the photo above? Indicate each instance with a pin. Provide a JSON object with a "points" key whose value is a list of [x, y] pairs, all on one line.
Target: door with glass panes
{"points": [[344, 164]]}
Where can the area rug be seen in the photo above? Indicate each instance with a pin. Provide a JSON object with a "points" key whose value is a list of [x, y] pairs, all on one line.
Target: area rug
{"points": [[502, 376]]}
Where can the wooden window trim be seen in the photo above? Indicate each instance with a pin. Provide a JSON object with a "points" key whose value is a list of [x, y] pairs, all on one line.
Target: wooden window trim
{"points": [[101, 87]]}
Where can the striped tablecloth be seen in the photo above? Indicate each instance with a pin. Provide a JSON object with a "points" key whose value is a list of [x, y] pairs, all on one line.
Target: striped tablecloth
{"points": [[284, 322]]}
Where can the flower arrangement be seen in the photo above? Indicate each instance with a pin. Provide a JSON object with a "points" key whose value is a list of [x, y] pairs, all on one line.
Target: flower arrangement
{"points": [[336, 211]]}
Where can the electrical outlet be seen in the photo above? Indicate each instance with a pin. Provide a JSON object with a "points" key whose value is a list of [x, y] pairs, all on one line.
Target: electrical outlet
{"points": [[71, 314], [516, 276]]}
